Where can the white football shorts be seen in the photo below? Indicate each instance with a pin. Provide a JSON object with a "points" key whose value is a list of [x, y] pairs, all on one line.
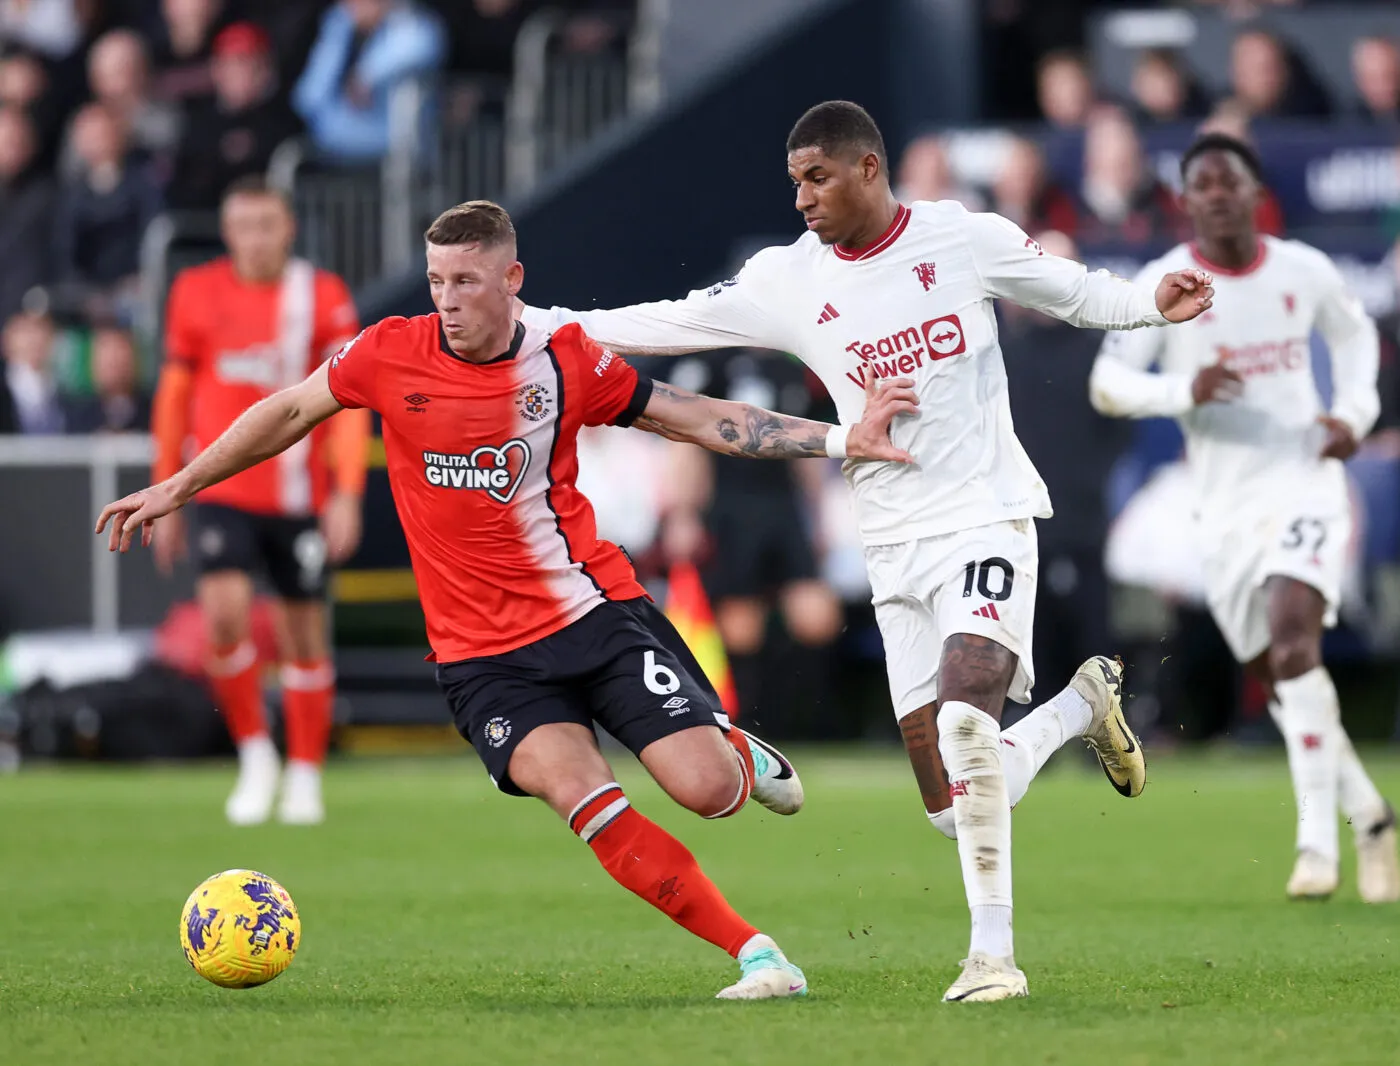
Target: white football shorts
{"points": [[980, 581], [1305, 535]]}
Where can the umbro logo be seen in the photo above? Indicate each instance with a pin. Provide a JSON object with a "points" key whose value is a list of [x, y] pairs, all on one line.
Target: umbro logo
{"points": [[416, 402], [989, 611], [828, 313]]}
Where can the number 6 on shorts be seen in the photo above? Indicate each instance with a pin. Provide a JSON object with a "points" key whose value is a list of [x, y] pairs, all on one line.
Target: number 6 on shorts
{"points": [[657, 677]]}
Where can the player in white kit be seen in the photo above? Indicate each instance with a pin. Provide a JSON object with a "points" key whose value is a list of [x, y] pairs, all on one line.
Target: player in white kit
{"points": [[879, 288], [1265, 459]]}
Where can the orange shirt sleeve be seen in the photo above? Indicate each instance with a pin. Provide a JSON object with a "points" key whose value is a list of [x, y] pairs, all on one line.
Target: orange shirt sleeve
{"points": [[170, 411], [170, 419], [336, 318], [348, 445]]}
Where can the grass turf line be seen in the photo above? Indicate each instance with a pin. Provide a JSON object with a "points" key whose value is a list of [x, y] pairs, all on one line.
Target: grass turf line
{"points": [[444, 923]]}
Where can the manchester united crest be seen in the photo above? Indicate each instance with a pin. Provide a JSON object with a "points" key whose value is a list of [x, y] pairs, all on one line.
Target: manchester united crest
{"points": [[533, 401]]}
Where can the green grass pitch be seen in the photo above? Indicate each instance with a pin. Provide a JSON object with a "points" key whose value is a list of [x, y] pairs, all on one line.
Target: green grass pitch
{"points": [[444, 923]]}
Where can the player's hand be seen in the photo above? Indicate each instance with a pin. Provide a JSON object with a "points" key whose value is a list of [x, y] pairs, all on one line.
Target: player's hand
{"points": [[1216, 383], [1341, 442], [1184, 294], [884, 401], [341, 526], [139, 511]]}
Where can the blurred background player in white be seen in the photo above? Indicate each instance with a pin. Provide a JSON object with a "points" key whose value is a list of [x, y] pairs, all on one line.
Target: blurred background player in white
{"points": [[878, 288], [1266, 462]]}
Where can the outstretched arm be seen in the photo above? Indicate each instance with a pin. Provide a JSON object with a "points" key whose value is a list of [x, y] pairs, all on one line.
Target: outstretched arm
{"points": [[267, 428], [733, 313], [1014, 267], [741, 429]]}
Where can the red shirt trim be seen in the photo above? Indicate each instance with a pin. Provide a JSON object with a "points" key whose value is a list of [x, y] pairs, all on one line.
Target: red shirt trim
{"points": [[1259, 255], [880, 243]]}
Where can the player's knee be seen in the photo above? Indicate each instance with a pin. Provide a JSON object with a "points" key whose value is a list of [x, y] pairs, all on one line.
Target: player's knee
{"points": [[1293, 654], [226, 628], [812, 613], [715, 793], [741, 622]]}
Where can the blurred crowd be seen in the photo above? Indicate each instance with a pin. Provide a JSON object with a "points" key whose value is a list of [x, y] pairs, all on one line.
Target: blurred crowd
{"points": [[112, 111]]}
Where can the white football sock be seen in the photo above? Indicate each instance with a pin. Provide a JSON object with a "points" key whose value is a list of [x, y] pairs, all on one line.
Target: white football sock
{"points": [[970, 741], [1028, 745], [1357, 795], [1307, 716]]}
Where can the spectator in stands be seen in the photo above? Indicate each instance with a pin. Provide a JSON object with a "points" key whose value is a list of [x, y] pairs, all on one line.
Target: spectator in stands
{"points": [[1375, 71], [119, 76], [1074, 447], [25, 84], [1125, 201], [365, 49], [182, 51], [1230, 117], [926, 174], [1023, 191], [1064, 89], [102, 212], [26, 212], [118, 403], [1164, 90], [483, 35], [237, 131], [29, 399], [1271, 81], [54, 28]]}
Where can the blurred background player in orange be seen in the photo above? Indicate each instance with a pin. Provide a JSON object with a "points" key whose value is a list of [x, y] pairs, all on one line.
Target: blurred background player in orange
{"points": [[238, 329]]}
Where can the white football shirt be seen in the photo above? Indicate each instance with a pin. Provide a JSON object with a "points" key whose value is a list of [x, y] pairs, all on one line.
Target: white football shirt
{"points": [[915, 303], [1265, 444]]}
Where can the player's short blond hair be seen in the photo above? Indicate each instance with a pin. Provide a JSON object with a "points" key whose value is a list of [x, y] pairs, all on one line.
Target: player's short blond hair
{"points": [[474, 222]]}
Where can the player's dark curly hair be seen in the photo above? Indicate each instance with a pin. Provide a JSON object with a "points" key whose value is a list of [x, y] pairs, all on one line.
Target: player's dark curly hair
{"points": [[1223, 142], [838, 128]]}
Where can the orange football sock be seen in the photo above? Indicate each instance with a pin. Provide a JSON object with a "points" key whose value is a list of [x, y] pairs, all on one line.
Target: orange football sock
{"points": [[308, 691], [649, 862], [233, 675]]}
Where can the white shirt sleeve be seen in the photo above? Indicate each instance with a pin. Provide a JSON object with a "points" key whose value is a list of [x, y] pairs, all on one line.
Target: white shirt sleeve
{"points": [[1354, 347], [1122, 385], [733, 313], [1014, 267]]}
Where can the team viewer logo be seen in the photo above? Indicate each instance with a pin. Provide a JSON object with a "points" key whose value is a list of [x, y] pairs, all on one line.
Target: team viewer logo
{"points": [[496, 471], [944, 337]]}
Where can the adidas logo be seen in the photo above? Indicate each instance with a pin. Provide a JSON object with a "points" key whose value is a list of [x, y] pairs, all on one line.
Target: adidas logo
{"points": [[989, 611], [828, 313]]}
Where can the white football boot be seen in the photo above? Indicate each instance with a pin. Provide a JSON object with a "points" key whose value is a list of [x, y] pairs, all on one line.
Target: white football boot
{"points": [[775, 783], [301, 795], [766, 973], [1314, 876], [1377, 870], [250, 802], [986, 979], [1100, 682]]}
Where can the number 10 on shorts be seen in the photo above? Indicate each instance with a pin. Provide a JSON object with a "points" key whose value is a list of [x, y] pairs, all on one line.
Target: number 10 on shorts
{"points": [[992, 578]]}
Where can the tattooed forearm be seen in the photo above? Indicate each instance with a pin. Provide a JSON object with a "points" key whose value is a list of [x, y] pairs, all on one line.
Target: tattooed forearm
{"points": [[773, 436], [729, 427]]}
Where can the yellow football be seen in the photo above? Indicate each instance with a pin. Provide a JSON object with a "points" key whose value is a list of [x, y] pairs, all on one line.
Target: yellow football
{"points": [[240, 928]]}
